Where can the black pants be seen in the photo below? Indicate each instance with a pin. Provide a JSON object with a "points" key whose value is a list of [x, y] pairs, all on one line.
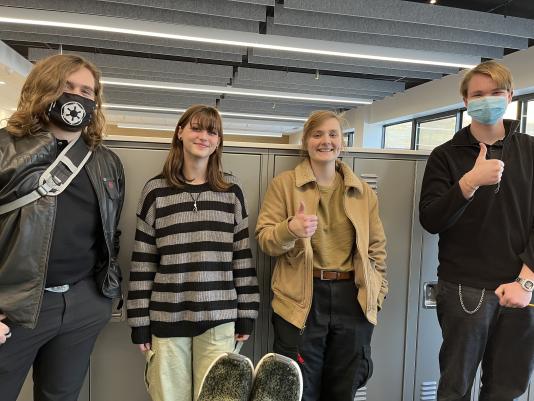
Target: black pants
{"points": [[334, 350], [501, 338], [58, 348]]}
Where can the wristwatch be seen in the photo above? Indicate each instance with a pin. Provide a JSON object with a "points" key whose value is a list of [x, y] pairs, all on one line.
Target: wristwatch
{"points": [[528, 285]]}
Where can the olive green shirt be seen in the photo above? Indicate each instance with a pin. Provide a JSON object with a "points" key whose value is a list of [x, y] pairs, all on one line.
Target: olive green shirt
{"points": [[334, 239]]}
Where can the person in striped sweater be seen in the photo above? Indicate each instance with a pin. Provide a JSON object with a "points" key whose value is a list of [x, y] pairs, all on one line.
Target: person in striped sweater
{"points": [[193, 289]]}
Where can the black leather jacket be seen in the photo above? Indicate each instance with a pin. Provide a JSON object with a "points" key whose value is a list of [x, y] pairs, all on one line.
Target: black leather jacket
{"points": [[26, 233]]}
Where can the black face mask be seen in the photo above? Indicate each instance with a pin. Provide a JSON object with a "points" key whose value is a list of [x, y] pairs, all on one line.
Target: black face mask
{"points": [[71, 112]]}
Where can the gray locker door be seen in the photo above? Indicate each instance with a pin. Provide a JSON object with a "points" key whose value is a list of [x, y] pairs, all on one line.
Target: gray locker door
{"points": [[117, 366], [394, 180], [389, 337], [429, 334], [247, 168], [428, 331]]}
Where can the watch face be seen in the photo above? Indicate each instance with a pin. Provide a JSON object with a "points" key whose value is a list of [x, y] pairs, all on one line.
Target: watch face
{"points": [[529, 285]]}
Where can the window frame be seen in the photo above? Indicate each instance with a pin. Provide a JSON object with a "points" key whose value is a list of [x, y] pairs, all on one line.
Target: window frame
{"points": [[383, 143]]}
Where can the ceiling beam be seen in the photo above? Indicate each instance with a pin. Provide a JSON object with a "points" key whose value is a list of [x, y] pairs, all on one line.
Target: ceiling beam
{"points": [[431, 14]]}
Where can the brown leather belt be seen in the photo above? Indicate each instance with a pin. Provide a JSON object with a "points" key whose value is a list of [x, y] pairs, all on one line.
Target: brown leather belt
{"points": [[332, 275]]}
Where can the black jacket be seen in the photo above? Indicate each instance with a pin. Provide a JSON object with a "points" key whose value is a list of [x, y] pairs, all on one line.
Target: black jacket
{"points": [[484, 241], [26, 233]]}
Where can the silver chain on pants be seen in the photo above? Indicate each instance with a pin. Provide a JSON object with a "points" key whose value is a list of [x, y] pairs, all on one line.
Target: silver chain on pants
{"points": [[462, 300]]}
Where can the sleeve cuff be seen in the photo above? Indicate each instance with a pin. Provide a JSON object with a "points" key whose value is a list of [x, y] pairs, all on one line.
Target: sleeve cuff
{"points": [[283, 235], [244, 326], [141, 335], [527, 259]]}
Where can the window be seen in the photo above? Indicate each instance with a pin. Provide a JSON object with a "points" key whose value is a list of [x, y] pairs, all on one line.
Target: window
{"points": [[348, 137], [433, 133], [398, 136], [511, 113]]}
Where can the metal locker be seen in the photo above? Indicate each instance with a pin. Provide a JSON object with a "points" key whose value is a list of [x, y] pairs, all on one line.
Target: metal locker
{"points": [[394, 182]]}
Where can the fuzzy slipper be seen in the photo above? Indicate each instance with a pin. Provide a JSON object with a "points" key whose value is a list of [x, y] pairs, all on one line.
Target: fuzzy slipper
{"points": [[229, 378], [277, 378]]}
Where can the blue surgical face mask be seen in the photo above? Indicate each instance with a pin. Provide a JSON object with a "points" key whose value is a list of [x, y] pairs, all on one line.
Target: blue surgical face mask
{"points": [[487, 110]]}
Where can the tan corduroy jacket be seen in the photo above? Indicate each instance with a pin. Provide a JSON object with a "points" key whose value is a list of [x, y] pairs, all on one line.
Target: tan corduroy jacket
{"points": [[292, 281]]}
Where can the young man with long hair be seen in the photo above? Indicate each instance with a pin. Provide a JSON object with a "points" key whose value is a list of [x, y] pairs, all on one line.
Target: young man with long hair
{"points": [[58, 264]]}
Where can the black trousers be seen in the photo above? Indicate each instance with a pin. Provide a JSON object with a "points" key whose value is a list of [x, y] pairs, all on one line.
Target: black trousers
{"points": [[58, 348], [333, 350], [501, 338]]}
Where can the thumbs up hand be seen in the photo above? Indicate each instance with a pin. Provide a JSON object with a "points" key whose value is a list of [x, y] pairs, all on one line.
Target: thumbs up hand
{"points": [[485, 172], [303, 225]]}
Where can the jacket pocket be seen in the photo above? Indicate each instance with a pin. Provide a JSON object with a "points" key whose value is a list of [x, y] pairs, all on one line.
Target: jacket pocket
{"points": [[108, 280], [375, 281], [289, 277]]}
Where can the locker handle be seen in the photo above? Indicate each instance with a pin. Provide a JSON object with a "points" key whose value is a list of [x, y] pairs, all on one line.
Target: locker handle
{"points": [[429, 294]]}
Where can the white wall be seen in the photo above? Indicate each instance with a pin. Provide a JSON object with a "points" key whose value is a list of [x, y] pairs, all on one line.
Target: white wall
{"points": [[430, 98]]}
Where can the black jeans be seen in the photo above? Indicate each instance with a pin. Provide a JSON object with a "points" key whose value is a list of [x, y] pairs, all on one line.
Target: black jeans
{"points": [[58, 348], [501, 338], [334, 350]]}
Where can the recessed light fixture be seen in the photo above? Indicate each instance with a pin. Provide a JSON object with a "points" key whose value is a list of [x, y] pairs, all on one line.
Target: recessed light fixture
{"points": [[230, 91], [2, 83], [54, 19], [222, 113], [147, 127], [164, 128]]}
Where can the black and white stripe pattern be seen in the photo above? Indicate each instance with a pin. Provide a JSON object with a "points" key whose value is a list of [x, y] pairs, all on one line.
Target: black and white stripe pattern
{"points": [[191, 270]]}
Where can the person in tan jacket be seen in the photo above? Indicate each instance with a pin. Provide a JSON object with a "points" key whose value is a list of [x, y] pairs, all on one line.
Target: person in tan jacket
{"points": [[321, 222]]}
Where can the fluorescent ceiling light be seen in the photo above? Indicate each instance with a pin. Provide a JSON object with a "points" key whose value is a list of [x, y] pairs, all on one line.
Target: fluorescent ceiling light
{"points": [[252, 133], [147, 127], [2, 83], [165, 128], [230, 91], [59, 20], [222, 113]]}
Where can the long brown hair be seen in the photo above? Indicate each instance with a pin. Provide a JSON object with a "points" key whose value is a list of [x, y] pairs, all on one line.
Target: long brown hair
{"points": [[207, 118], [44, 85]]}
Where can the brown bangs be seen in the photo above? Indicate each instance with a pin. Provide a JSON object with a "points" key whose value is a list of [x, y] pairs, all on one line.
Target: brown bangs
{"points": [[207, 119]]}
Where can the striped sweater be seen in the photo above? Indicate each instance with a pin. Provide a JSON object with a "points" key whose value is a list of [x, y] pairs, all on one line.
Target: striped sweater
{"points": [[191, 271]]}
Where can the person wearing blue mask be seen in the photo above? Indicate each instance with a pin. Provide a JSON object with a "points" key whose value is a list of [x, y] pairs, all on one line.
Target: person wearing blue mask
{"points": [[478, 195]]}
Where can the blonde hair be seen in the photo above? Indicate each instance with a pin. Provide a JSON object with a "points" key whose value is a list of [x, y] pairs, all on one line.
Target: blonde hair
{"points": [[44, 85], [313, 122], [496, 71], [207, 118]]}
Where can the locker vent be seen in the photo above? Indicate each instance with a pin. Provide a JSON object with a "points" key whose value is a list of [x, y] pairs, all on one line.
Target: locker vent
{"points": [[429, 391], [361, 394], [372, 180]]}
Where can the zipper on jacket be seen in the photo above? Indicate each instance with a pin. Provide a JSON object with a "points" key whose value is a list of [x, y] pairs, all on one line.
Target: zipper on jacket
{"points": [[100, 209]]}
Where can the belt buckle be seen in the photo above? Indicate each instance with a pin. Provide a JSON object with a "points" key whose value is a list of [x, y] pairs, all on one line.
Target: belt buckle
{"points": [[327, 279], [58, 288]]}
